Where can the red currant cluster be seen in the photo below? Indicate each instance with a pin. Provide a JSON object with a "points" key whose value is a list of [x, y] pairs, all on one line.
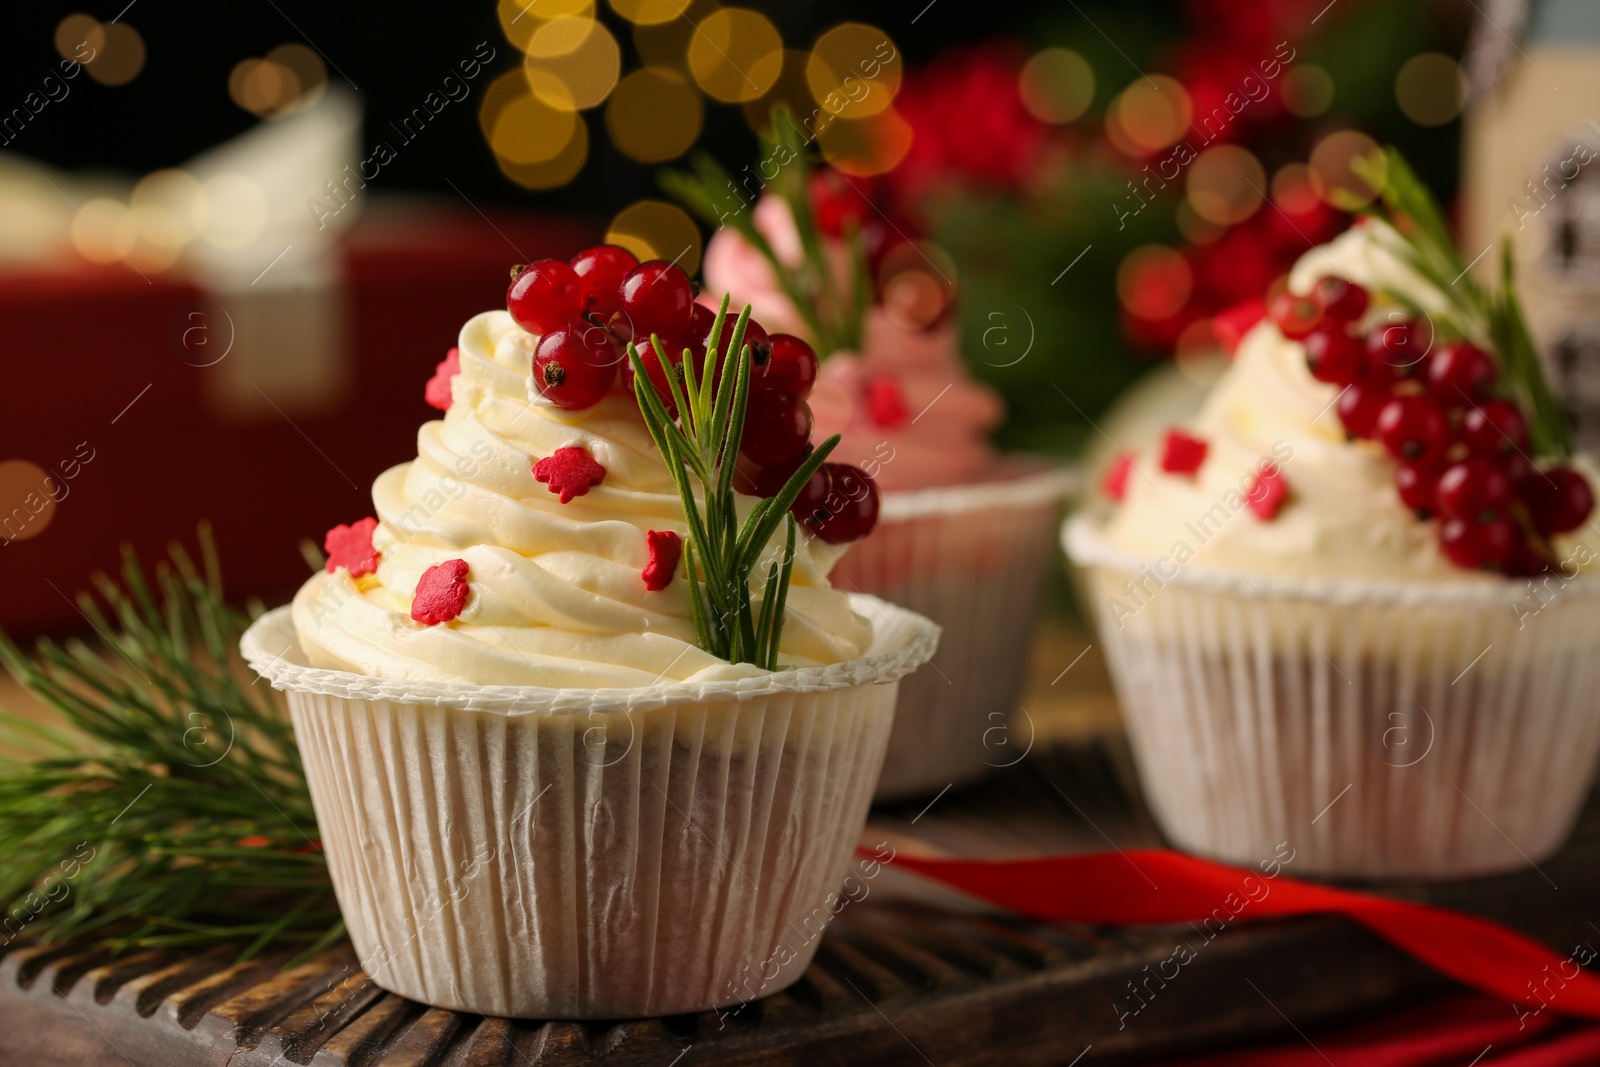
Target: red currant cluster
{"points": [[1462, 452], [587, 310]]}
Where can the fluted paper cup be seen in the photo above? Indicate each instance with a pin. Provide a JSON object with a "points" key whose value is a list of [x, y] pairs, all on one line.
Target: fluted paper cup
{"points": [[974, 559], [1381, 729], [575, 854]]}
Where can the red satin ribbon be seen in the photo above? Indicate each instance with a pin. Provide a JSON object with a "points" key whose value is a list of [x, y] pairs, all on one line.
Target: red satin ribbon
{"points": [[1157, 886]]}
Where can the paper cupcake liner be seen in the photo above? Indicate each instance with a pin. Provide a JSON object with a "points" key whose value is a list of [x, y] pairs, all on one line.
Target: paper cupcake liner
{"points": [[526, 852], [1381, 729], [974, 559]]}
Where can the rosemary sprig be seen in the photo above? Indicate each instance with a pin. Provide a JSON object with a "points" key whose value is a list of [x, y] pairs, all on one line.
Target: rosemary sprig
{"points": [[1492, 318], [722, 551], [833, 313], [175, 812]]}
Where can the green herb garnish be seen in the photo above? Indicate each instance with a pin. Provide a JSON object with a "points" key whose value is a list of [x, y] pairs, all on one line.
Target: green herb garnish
{"points": [[1495, 316], [721, 551]]}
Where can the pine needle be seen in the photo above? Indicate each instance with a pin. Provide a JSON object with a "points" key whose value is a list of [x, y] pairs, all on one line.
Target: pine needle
{"points": [[182, 816]]}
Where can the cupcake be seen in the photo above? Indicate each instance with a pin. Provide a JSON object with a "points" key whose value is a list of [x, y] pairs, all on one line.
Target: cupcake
{"points": [[1346, 607], [545, 785], [965, 535]]}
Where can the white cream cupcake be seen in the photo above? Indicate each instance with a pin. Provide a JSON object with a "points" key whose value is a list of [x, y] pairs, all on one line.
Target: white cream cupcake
{"points": [[1325, 616]]}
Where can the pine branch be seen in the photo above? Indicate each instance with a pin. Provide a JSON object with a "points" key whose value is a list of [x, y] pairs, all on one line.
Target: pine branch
{"points": [[182, 816]]}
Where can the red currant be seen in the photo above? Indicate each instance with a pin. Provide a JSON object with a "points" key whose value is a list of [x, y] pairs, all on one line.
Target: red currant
{"points": [[1477, 545], [1359, 405], [1459, 373], [754, 336], [1473, 490], [1415, 483], [1397, 350], [600, 271], [1559, 500], [851, 505], [810, 508], [1413, 428], [1294, 315], [1524, 561], [1495, 428], [1334, 356], [769, 481], [1342, 301], [656, 373], [792, 367], [574, 365], [544, 295], [777, 428], [657, 298]]}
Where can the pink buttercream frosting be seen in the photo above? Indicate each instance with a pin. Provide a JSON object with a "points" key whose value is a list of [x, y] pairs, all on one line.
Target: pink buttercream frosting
{"points": [[930, 424]]}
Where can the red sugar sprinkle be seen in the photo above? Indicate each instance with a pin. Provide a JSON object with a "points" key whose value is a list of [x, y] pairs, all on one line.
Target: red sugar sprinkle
{"points": [[1267, 493], [350, 547], [666, 549], [885, 403], [1115, 482], [441, 593], [1230, 325], [437, 391], [570, 471], [1182, 454]]}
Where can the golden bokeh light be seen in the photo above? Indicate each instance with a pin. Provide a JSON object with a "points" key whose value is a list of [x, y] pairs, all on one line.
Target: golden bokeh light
{"points": [[655, 229], [666, 44], [166, 207], [261, 87], [791, 90], [1333, 173], [1226, 184], [866, 146], [735, 55], [508, 87], [1154, 282], [1431, 89], [528, 132], [79, 36], [1292, 189], [232, 211], [1307, 90], [121, 56], [308, 69], [1057, 85], [557, 170], [1195, 228], [649, 12], [572, 63], [1152, 113], [26, 487], [521, 19], [854, 70], [98, 233], [654, 115]]}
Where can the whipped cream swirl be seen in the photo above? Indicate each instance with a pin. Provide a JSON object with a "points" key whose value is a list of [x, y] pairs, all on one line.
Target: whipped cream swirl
{"points": [[556, 596]]}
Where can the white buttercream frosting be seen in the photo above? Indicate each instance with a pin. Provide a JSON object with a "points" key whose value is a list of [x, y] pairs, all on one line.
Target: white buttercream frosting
{"points": [[1343, 517], [556, 594]]}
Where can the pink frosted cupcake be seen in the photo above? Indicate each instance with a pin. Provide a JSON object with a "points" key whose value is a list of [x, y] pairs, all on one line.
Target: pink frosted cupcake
{"points": [[965, 534]]}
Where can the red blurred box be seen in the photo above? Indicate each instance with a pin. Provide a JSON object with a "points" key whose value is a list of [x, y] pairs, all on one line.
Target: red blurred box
{"points": [[102, 392]]}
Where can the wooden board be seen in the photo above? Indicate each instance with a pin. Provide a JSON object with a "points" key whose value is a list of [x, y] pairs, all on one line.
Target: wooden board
{"points": [[904, 976]]}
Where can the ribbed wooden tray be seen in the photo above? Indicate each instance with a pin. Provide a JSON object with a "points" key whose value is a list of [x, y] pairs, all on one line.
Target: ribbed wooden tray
{"points": [[902, 977]]}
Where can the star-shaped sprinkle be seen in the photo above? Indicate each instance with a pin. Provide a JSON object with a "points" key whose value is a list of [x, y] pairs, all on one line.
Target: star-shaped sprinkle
{"points": [[1115, 482], [1267, 493], [570, 472], [886, 404], [350, 547], [437, 392], [1181, 453], [441, 593], [666, 549]]}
